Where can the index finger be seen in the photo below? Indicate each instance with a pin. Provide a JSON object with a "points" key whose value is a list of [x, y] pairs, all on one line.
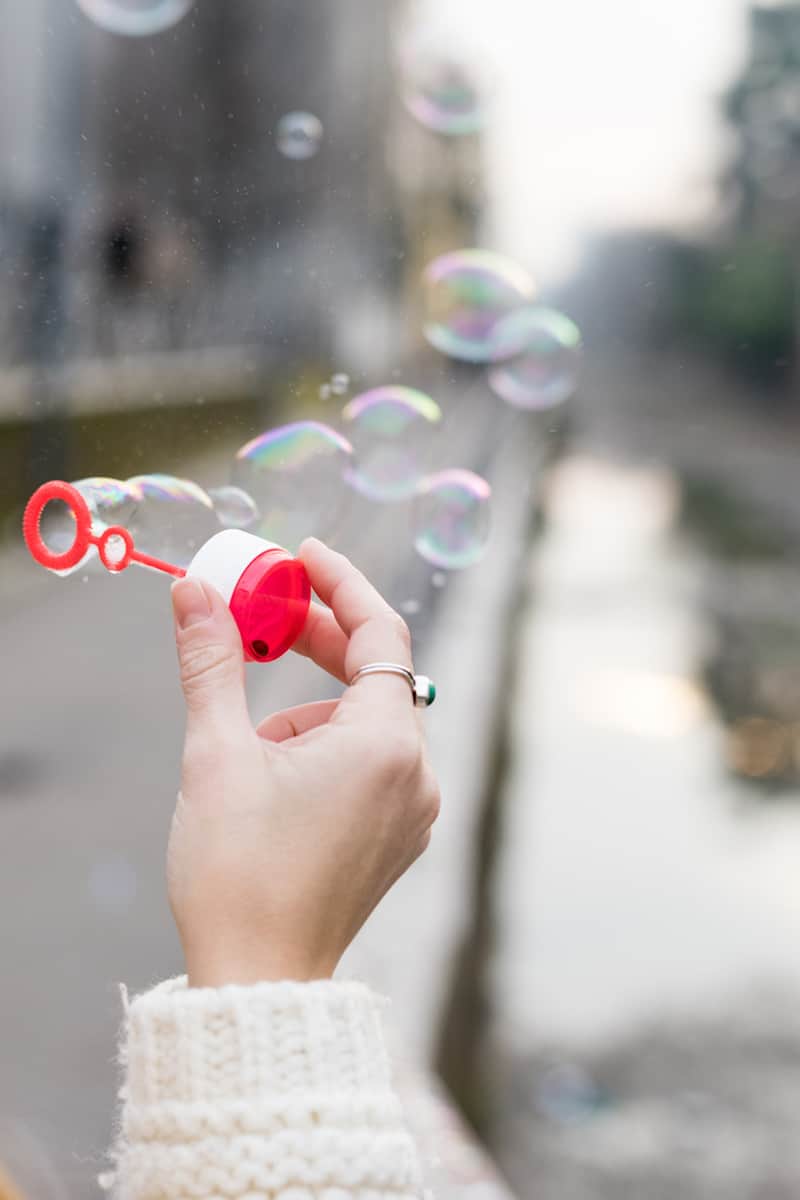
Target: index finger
{"points": [[375, 632]]}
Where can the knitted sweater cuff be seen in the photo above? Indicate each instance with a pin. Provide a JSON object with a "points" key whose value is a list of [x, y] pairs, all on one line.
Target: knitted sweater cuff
{"points": [[254, 1090]]}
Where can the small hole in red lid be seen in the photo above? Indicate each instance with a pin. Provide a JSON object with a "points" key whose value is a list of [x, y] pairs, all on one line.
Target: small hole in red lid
{"points": [[260, 649]]}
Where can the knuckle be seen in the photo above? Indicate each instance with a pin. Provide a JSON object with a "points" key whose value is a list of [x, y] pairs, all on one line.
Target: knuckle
{"points": [[204, 665], [402, 756], [431, 801], [422, 845], [400, 630]]}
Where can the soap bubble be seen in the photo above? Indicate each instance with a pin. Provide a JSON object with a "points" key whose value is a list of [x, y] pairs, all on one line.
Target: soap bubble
{"points": [[443, 97], [543, 371], [439, 579], [235, 509], [340, 383], [390, 428], [295, 475], [410, 608], [136, 18], [325, 391], [111, 500], [451, 518], [173, 517], [299, 135], [467, 295]]}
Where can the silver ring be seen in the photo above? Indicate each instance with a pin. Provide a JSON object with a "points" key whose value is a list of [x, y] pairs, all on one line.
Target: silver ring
{"points": [[423, 689]]}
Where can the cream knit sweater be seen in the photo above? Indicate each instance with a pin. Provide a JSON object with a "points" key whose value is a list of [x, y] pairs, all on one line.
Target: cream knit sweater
{"points": [[279, 1091]]}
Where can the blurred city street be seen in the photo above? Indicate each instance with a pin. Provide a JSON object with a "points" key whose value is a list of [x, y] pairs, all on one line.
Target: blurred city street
{"points": [[223, 230]]}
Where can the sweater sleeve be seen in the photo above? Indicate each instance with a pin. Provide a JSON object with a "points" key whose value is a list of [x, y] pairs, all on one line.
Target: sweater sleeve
{"points": [[276, 1091]]}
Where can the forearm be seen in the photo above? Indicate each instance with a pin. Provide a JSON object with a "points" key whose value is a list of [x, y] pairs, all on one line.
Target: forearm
{"points": [[266, 1091]]}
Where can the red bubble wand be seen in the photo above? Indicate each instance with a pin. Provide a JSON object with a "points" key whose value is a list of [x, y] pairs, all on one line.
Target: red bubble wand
{"points": [[267, 590], [107, 542]]}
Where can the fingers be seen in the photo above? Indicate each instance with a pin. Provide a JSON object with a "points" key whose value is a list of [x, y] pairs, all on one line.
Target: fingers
{"points": [[323, 641], [292, 722], [210, 658], [375, 631]]}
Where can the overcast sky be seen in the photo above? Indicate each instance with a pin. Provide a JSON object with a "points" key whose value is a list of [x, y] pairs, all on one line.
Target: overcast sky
{"points": [[603, 114]]}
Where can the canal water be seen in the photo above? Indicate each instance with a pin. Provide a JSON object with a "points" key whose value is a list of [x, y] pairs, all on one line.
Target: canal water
{"points": [[648, 898]]}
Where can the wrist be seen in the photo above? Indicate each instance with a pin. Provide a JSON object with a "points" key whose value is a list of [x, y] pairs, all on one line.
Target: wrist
{"points": [[213, 970]]}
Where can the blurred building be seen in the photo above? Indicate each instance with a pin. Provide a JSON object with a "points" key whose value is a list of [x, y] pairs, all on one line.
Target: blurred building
{"points": [[763, 108], [142, 184]]}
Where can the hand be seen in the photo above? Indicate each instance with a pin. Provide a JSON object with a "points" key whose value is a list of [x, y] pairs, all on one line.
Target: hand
{"points": [[285, 837]]}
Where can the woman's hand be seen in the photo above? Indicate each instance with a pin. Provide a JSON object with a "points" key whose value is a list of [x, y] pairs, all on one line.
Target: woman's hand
{"points": [[285, 837]]}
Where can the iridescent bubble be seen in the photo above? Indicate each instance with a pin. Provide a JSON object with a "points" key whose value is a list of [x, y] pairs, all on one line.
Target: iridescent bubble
{"points": [[390, 429], [136, 18], [295, 475], [544, 370], [340, 383], [443, 97], [467, 295], [173, 517], [451, 518], [299, 135], [235, 509]]}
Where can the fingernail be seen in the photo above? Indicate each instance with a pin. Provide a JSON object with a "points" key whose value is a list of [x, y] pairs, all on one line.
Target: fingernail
{"points": [[190, 603]]}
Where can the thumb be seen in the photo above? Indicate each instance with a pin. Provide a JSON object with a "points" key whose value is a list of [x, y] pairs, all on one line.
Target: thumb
{"points": [[210, 656]]}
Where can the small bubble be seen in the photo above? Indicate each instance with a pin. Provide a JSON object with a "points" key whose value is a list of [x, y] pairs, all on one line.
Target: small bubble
{"points": [[299, 135], [136, 18], [234, 507], [444, 98], [340, 383], [439, 579], [325, 392], [410, 608]]}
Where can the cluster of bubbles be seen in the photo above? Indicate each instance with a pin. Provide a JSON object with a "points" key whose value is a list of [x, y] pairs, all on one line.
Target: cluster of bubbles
{"points": [[337, 385], [287, 482], [479, 309], [293, 480]]}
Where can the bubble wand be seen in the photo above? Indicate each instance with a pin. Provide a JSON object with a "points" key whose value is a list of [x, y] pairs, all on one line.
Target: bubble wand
{"points": [[266, 589]]}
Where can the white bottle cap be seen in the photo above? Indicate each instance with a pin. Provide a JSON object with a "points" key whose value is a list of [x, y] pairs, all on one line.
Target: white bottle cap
{"points": [[225, 557]]}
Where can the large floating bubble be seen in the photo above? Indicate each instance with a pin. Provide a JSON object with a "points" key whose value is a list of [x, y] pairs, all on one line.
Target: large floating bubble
{"points": [[443, 97], [299, 135], [295, 474], [173, 517], [136, 18], [467, 295], [544, 369], [390, 429], [452, 518]]}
